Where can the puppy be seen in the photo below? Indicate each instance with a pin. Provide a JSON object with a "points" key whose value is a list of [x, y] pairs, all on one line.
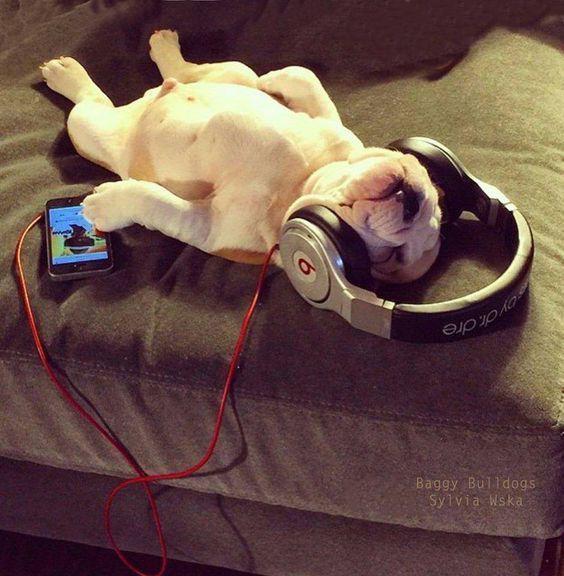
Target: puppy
{"points": [[219, 157]]}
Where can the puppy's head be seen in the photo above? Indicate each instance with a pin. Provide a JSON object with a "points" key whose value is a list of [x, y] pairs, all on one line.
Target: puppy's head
{"points": [[389, 199]]}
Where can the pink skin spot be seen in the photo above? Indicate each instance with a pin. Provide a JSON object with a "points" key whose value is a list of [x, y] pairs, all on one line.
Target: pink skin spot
{"points": [[167, 87], [169, 84]]}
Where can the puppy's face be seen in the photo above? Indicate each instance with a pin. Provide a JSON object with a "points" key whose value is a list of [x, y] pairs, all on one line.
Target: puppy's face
{"points": [[388, 198]]}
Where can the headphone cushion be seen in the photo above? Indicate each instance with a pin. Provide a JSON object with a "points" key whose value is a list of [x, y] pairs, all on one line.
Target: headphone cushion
{"points": [[348, 243]]}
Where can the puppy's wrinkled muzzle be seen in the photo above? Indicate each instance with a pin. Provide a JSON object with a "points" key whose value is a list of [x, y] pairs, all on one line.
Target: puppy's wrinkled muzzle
{"points": [[390, 201]]}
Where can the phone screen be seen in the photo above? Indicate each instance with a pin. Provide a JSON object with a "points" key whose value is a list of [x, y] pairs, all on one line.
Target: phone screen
{"points": [[73, 238], [75, 247]]}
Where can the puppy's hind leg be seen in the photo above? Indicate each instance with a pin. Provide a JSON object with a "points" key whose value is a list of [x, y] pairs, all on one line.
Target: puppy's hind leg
{"points": [[165, 53], [96, 128], [99, 132], [69, 78]]}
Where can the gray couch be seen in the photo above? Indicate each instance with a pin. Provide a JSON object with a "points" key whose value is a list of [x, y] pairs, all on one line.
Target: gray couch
{"points": [[333, 437]]}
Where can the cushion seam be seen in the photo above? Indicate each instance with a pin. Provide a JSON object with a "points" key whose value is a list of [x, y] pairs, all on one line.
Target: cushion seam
{"points": [[152, 379]]}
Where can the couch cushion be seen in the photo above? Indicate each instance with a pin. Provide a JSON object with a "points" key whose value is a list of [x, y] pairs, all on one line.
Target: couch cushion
{"points": [[250, 536], [324, 418]]}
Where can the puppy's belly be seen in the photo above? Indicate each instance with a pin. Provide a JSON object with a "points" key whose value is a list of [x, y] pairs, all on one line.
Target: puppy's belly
{"points": [[161, 145], [165, 145]]}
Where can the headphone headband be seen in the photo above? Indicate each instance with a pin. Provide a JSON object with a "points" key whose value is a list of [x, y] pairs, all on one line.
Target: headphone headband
{"points": [[320, 271]]}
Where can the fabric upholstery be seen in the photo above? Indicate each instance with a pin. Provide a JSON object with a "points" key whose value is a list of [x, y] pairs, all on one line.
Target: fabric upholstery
{"points": [[325, 419], [249, 536]]}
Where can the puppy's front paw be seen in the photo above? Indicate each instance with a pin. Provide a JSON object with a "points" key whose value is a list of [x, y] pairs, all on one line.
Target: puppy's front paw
{"points": [[111, 206], [163, 43], [67, 77]]}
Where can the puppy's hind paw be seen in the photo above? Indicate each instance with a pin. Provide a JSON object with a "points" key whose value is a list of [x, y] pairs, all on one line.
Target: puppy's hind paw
{"points": [[67, 77], [163, 43]]}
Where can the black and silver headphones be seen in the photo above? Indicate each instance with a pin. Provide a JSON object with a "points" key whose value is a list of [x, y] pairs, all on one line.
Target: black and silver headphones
{"points": [[327, 262]]}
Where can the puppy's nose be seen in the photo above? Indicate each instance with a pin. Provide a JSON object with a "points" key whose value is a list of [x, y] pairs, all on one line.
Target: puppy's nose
{"points": [[408, 197]]}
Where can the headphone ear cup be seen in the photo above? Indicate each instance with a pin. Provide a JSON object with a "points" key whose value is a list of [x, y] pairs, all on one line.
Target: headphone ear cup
{"points": [[350, 246]]}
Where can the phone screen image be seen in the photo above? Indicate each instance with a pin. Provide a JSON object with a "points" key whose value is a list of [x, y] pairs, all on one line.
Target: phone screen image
{"points": [[73, 238]]}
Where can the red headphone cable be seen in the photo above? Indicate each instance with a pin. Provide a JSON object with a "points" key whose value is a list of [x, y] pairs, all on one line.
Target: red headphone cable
{"points": [[142, 477]]}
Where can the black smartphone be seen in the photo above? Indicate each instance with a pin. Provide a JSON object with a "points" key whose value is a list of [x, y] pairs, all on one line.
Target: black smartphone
{"points": [[75, 248]]}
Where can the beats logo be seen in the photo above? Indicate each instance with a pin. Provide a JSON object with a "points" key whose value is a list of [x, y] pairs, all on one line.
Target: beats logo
{"points": [[305, 267], [304, 264]]}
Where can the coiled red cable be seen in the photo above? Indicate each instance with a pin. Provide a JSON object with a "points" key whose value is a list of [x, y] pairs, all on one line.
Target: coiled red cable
{"points": [[142, 477]]}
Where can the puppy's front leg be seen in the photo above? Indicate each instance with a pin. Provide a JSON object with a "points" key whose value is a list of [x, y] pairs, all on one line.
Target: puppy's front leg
{"points": [[301, 90], [119, 204]]}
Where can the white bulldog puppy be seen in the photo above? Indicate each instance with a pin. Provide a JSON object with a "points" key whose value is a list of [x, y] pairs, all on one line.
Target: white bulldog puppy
{"points": [[219, 157]]}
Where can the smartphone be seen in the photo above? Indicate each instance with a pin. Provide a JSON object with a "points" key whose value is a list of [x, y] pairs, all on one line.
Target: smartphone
{"points": [[75, 248]]}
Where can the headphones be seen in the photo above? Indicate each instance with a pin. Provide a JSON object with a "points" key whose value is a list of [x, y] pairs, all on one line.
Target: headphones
{"points": [[327, 262]]}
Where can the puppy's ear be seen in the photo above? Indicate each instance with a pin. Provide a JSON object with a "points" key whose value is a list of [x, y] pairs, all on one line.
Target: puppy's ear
{"points": [[441, 195]]}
